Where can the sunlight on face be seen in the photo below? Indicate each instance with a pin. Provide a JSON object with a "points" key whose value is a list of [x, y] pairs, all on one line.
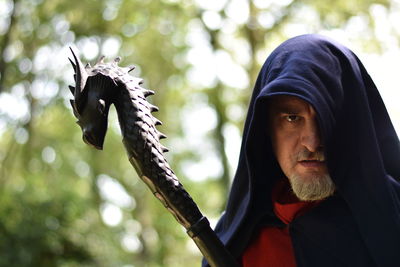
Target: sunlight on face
{"points": [[297, 146]]}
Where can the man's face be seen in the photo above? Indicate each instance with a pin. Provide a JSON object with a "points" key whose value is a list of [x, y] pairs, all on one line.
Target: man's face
{"points": [[297, 146]]}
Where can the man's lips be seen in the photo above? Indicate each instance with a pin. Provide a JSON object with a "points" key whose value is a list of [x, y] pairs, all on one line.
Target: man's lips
{"points": [[311, 163]]}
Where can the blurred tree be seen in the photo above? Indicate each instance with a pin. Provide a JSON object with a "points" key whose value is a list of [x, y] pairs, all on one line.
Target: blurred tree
{"points": [[64, 204]]}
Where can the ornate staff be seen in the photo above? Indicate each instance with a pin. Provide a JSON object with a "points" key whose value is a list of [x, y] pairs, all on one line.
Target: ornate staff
{"points": [[96, 88]]}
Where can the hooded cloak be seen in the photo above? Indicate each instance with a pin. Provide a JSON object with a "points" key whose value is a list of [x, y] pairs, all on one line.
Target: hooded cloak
{"points": [[360, 224]]}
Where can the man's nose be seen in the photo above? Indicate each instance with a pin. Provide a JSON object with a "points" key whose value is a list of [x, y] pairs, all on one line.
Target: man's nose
{"points": [[311, 137]]}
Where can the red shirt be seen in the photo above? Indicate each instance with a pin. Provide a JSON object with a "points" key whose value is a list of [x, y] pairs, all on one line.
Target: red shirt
{"points": [[273, 246]]}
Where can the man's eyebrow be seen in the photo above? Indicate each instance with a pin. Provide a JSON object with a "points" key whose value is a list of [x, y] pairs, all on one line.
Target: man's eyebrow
{"points": [[286, 109]]}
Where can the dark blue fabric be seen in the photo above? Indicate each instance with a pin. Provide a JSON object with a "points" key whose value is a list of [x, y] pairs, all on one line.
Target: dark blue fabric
{"points": [[360, 225]]}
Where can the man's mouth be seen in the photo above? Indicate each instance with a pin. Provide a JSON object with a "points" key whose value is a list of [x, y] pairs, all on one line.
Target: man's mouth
{"points": [[309, 163]]}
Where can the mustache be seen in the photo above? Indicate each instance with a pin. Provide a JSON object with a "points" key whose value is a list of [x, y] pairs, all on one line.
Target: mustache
{"points": [[308, 155]]}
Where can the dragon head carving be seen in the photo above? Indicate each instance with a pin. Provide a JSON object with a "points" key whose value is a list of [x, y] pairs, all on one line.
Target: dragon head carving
{"points": [[91, 101], [105, 83]]}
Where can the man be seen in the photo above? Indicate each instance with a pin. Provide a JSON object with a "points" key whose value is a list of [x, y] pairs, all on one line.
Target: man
{"points": [[317, 182]]}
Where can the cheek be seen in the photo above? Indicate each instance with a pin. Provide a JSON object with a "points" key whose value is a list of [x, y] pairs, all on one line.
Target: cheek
{"points": [[284, 146]]}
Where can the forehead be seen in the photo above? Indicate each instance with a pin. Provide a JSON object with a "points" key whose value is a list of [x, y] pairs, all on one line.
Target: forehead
{"points": [[288, 104]]}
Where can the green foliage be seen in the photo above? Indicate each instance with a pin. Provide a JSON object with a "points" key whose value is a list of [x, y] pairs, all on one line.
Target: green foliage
{"points": [[64, 204]]}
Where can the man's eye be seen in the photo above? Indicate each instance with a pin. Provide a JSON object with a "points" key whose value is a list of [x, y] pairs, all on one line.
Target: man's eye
{"points": [[292, 118]]}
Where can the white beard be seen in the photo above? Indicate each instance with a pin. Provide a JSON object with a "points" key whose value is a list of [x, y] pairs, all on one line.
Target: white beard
{"points": [[313, 188]]}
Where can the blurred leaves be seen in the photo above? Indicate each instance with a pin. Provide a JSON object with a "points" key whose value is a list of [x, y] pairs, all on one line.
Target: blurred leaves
{"points": [[64, 204]]}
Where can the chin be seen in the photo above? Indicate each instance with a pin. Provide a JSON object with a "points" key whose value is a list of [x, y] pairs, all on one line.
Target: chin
{"points": [[312, 187]]}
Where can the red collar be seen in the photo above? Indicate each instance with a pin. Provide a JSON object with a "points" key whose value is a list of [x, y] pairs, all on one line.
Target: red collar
{"points": [[286, 205], [273, 246]]}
